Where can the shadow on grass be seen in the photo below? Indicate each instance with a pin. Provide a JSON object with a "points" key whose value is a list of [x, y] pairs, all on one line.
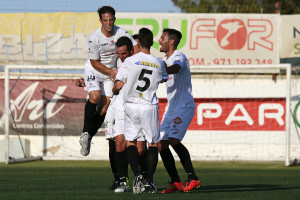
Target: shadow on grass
{"points": [[239, 188]]}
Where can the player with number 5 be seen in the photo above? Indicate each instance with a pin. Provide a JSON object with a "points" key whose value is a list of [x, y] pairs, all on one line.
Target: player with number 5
{"points": [[142, 73]]}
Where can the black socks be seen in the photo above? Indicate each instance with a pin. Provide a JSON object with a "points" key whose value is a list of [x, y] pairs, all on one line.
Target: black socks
{"points": [[133, 156], [152, 159], [185, 160], [89, 114], [169, 164], [112, 159]]}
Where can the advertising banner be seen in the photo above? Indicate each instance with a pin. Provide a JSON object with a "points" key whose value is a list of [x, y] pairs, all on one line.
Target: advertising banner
{"points": [[56, 107], [44, 107], [290, 39], [224, 39]]}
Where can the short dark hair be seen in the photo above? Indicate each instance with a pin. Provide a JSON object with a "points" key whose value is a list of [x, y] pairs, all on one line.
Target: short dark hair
{"points": [[174, 35], [146, 38], [124, 41], [106, 9], [136, 36]]}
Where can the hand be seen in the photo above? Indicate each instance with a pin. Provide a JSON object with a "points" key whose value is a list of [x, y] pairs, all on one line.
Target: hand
{"points": [[113, 75], [80, 82]]}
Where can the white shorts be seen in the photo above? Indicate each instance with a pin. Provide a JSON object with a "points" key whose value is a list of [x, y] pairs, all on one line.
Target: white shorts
{"points": [[119, 122], [97, 81], [175, 123], [141, 119], [118, 127]]}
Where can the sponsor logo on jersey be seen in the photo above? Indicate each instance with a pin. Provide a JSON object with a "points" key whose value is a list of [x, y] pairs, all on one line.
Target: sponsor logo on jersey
{"points": [[90, 41], [174, 129], [103, 44], [149, 64], [177, 120]]}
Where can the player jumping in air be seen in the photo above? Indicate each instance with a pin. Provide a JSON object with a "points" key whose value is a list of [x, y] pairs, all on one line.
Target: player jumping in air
{"points": [[100, 71]]}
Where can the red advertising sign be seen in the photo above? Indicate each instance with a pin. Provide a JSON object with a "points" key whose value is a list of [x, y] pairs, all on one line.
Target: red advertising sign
{"points": [[237, 114], [52, 107]]}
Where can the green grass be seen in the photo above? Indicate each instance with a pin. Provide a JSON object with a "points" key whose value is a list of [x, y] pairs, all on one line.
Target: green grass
{"points": [[90, 180]]}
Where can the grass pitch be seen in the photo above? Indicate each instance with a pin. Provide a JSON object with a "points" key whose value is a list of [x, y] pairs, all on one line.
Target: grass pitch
{"points": [[91, 179]]}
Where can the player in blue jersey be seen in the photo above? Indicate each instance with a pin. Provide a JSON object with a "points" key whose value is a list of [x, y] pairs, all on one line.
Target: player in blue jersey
{"points": [[180, 112]]}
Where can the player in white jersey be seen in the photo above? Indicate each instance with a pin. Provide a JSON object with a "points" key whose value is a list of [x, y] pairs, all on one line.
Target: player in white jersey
{"points": [[114, 126], [124, 49], [180, 112], [143, 73], [100, 72]]}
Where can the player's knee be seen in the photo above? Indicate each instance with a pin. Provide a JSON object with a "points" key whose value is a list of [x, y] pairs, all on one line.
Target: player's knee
{"points": [[104, 101], [120, 143], [162, 145], [140, 151], [94, 97], [120, 146], [140, 148]]}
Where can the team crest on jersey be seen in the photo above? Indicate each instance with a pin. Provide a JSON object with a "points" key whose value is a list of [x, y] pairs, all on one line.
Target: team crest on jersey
{"points": [[140, 95], [177, 120], [90, 51]]}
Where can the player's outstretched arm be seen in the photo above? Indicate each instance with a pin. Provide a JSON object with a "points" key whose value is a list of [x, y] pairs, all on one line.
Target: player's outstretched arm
{"points": [[173, 69]]}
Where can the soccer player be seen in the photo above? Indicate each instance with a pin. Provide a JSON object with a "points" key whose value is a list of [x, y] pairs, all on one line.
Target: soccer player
{"points": [[141, 145], [142, 73], [114, 127], [180, 112], [99, 73]]}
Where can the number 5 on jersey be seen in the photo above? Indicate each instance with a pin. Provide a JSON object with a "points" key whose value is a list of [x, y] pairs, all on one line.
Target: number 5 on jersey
{"points": [[143, 78]]}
